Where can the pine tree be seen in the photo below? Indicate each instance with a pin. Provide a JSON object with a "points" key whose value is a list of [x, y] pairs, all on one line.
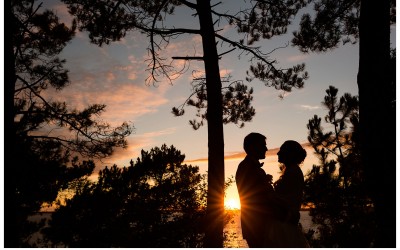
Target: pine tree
{"points": [[353, 21], [341, 206], [41, 135]]}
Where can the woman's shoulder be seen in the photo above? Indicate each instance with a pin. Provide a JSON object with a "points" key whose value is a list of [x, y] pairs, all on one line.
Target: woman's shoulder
{"points": [[294, 171], [291, 175]]}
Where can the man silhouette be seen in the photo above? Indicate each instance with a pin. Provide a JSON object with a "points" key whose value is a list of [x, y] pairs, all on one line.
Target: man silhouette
{"points": [[254, 187]]}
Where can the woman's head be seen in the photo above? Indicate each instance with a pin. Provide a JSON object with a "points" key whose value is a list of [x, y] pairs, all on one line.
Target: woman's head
{"points": [[291, 152]]}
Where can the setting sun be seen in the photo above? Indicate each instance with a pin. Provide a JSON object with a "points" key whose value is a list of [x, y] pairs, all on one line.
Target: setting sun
{"points": [[232, 204]]}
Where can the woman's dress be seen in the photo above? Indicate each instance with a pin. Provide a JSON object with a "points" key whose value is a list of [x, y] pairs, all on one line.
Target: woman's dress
{"points": [[287, 232]]}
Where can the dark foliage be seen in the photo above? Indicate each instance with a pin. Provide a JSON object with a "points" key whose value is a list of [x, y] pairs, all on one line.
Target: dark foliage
{"points": [[155, 202], [236, 103], [332, 22], [40, 178], [42, 135], [37, 40], [267, 19], [336, 188]]}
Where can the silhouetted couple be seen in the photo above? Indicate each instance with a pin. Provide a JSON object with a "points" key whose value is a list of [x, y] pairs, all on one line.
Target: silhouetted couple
{"points": [[270, 212]]}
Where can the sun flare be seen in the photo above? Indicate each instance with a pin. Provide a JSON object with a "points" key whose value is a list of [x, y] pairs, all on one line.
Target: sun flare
{"points": [[231, 204]]}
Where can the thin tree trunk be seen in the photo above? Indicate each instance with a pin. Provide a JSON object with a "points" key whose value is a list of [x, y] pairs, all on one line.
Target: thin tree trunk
{"points": [[216, 176], [377, 126], [10, 217]]}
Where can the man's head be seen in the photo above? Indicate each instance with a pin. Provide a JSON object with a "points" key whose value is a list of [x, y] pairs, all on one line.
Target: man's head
{"points": [[255, 146]]}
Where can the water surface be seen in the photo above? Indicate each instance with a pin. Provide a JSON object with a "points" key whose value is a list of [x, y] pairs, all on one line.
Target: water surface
{"points": [[233, 230]]}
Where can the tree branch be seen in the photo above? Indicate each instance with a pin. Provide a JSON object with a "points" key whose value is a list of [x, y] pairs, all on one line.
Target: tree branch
{"points": [[199, 58], [175, 31], [188, 4], [251, 50], [233, 17], [60, 117], [220, 55], [36, 82]]}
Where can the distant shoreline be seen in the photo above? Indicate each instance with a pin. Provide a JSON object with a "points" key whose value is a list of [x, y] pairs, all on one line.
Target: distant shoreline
{"points": [[238, 209]]}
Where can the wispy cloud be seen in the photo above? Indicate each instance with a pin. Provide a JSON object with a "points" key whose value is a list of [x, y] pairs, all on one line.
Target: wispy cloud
{"points": [[297, 58], [153, 134], [225, 72], [61, 11], [136, 143], [309, 107], [125, 102], [233, 156]]}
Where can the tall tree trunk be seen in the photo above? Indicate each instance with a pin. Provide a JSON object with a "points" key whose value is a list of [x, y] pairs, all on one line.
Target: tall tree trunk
{"points": [[376, 119], [10, 217], [216, 175]]}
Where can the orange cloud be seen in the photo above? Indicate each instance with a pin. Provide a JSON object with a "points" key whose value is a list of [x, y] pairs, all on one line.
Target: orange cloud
{"points": [[110, 76], [62, 12], [124, 102], [228, 157], [241, 155], [132, 76], [136, 143], [297, 58], [225, 72]]}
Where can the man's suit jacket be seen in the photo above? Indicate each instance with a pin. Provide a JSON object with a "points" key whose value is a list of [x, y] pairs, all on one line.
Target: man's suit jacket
{"points": [[254, 192]]}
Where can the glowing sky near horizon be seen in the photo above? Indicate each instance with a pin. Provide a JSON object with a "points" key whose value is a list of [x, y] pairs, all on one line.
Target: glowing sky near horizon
{"points": [[115, 75]]}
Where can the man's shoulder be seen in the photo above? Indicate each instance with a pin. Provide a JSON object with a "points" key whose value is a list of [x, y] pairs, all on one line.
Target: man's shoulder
{"points": [[246, 161], [245, 164], [242, 167]]}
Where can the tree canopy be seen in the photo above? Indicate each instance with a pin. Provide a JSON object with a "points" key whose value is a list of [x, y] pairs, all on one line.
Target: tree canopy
{"points": [[157, 201], [44, 136], [37, 40], [330, 24]]}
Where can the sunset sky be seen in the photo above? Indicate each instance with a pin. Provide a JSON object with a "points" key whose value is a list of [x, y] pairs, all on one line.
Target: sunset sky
{"points": [[115, 75]]}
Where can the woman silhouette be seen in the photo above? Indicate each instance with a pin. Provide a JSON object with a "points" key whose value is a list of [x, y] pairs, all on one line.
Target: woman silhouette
{"points": [[290, 185], [289, 188]]}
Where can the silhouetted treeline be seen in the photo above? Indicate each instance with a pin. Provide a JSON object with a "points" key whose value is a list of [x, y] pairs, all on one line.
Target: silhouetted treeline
{"points": [[157, 201]]}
